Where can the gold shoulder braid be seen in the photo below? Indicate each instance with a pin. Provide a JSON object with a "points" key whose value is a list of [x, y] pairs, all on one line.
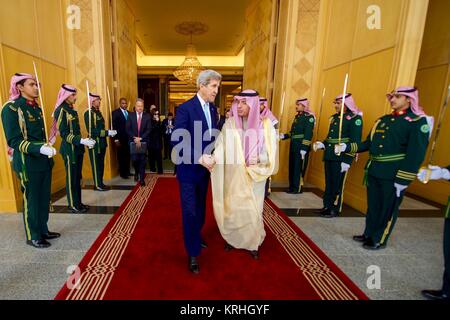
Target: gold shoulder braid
{"points": [[60, 118], [22, 124], [374, 128], [23, 129]]}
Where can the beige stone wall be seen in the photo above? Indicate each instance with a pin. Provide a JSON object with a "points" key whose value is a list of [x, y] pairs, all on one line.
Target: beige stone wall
{"points": [[39, 37], [294, 75], [258, 46], [68, 56], [433, 79], [126, 67]]}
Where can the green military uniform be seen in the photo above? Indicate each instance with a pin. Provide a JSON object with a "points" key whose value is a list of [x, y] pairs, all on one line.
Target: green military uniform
{"points": [[446, 282], [72, 152], [335, 179], [301, 135], [24, 129], [97, 154], [397, 144]]}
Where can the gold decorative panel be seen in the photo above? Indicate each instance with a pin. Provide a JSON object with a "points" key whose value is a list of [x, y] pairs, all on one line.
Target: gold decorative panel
{"points": [[257, 45]]}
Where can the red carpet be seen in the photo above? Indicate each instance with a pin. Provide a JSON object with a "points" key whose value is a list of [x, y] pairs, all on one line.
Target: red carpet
{"points": [[140, 255]]}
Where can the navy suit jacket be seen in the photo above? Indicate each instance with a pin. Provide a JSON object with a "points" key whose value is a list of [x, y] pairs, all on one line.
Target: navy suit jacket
{"points": [[119, 124], [190, 114], [132, 127]]}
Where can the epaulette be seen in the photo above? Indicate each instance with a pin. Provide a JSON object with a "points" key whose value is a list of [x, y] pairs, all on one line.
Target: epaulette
{"points": [[354, 115], [10, 104]]}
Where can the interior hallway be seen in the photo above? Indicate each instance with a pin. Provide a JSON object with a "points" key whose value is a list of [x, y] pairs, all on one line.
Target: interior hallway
{"points": [[412, 261]]}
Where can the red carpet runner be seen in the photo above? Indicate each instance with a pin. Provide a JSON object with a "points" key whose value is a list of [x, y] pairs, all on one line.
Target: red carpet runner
{"points": [[140, 255]]}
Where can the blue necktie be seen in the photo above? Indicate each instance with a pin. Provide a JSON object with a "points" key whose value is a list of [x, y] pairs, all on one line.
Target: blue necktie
{"points": [[126, 115], [207, 114]]}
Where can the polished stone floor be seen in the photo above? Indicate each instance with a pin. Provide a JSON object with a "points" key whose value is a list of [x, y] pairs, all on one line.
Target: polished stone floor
{"points": [[411, 262]]}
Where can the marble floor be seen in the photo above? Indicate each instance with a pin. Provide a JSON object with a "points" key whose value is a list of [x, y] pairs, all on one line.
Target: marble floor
{"points": [[412, 261]]}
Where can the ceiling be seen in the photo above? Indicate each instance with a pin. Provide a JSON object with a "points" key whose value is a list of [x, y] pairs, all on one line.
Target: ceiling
{"points": [[156, 21]]}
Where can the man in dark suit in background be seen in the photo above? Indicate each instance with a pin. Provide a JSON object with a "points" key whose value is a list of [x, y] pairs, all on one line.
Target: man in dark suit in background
{"points": [[119, 118], [168, 124], [138, 130], [156, 143], [193, 170]]}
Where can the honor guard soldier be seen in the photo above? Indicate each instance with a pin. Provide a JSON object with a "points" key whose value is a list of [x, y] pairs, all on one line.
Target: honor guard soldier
{"points": [[336, 166], [397, 144], [66, 121], [97, 132], [301, 135], [23, 123], [436, 174], [265, 113]]}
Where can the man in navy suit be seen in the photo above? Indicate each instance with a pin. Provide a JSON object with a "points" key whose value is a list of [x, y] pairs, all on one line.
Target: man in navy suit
{"points": [[119, 119], [196, 125], [138, 130]]}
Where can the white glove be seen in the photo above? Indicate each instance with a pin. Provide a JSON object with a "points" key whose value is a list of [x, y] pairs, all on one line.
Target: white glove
{"points": [[318, 145], [112, 133], [399, 188], [339, 148], [281, 136], [436, 173], [88, 142], [303, 153], [47, 151], [344, 167]]}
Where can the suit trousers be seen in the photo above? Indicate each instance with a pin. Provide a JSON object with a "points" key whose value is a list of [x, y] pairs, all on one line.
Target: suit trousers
{"points": [[123, 158], [193, 206], [139, 163]]}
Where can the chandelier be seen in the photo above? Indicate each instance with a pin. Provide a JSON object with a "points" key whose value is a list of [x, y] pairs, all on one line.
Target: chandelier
{"points": [[189, 70]]}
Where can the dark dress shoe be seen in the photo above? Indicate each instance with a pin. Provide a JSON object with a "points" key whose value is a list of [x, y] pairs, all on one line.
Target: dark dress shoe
{"points": [[100, 188], [142, 183], [254, 254], [77, 210], [124, 177], [289, 191], [371, 245], [40, 244], [136, 178], [204, 245], [85, 206], [435, 295], [332, 213], [51, 235], [361, 238], [323, 210], [228, 247], [193, 265]]}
